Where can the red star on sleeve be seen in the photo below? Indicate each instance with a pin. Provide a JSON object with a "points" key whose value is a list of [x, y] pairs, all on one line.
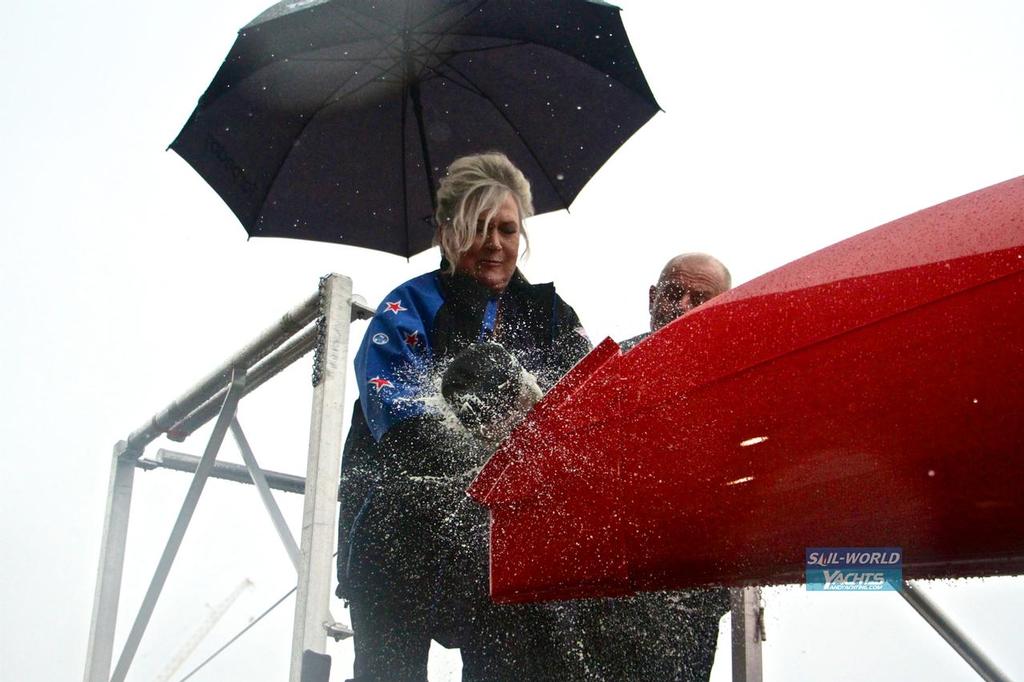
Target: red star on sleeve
{"points": [[380, 383], [412, 339], [393, 306]]}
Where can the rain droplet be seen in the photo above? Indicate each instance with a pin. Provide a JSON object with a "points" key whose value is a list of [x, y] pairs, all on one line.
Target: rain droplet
{"points": [[931, 473], [560, 176]]}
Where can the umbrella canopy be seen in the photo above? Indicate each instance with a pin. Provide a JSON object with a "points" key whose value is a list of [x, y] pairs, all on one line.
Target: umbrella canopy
{"points": [[867, 395], [332, 120]]}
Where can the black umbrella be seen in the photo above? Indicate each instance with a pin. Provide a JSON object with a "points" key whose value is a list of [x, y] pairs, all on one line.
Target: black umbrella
{"points": [[333, 119]]}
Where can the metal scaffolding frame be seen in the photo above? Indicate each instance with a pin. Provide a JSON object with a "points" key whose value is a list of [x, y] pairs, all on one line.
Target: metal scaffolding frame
{"points": [[322, 323]]}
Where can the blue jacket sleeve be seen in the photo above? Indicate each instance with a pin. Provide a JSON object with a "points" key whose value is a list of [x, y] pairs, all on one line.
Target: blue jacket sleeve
{"points": [[392, 364]]}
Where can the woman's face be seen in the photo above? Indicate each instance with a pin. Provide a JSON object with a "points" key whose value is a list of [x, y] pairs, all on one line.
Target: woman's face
{"points": [[491, 259]]}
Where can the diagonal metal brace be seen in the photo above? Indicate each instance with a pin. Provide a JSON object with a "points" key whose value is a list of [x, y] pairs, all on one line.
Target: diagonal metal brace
{"points": [[953, 635], [269, 503], [227, 414], [335, 629]]}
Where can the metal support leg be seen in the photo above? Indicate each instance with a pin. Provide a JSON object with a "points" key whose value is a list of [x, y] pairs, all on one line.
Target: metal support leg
{"points": [[955, 637], [747, 633], [335, 629], [108, 578], [319, 529], [220, 429]]}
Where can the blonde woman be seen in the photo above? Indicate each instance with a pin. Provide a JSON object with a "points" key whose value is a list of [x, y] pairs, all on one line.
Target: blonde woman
{"points": [[398, 448]]}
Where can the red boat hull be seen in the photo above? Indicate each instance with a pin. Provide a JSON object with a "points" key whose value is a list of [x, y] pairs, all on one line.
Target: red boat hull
{"points": [[870, 394]]}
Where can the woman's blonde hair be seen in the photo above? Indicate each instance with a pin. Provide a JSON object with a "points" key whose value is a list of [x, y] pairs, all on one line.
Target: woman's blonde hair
{"points": [[474, 189]]}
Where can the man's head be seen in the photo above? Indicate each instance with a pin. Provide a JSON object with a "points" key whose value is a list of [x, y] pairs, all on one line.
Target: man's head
{"points": [[686, 282]]}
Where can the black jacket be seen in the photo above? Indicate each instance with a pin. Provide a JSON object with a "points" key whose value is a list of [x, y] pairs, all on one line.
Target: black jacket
{"points": [[536, 326]]}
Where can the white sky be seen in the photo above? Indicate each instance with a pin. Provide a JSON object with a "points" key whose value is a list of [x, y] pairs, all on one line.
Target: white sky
{"points": [[788, 126]]}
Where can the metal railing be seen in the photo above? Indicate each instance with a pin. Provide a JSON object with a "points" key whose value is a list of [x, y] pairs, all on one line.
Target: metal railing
{"points": [[322, 323]]}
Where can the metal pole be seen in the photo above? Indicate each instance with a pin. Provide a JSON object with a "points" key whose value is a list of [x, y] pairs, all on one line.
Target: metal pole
{"points": [[263, 488], [323, 466], [228, 471], [180, 525], [291, 323], [953, 635], [108, 577], [265, 370], [747, 633], [268, 368]]}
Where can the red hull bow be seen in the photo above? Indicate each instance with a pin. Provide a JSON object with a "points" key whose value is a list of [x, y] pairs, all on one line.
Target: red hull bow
{"points": [[870, 394]]}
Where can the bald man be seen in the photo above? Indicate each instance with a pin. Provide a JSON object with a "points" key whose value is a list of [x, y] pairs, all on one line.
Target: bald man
{"points": [[686, 281], [662, 636]]}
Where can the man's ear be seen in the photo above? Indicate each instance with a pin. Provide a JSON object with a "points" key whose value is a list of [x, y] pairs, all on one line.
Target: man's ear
{"points": [[650, 299]]}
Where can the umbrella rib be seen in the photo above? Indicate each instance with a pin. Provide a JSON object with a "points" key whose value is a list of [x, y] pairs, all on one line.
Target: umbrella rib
{"points": [[381, 25], [332, 60], [581, 61], [475, 50], [471, 87], [327, 102], [431, 50], [407, 64], [448, 54], [458, 21], [414, 30], [402, 170]]}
